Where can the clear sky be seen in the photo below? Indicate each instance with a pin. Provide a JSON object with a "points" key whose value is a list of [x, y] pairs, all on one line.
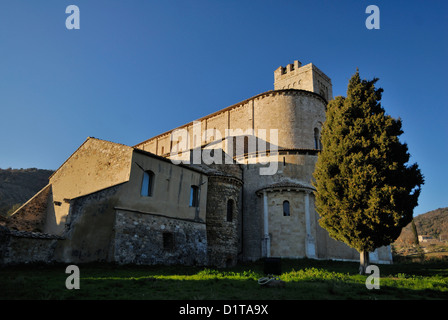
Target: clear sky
{"points": [[136, 68]]}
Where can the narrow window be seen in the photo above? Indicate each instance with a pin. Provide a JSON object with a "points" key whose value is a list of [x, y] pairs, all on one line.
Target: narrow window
{"points": [[316, 139], [229, 210], [286, 208], [234, 150], [163, 150], [194, 196], [147, 184], [168, 241]]}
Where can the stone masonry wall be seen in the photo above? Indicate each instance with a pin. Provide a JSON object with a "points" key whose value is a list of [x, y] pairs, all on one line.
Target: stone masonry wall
{"points": [[287, 233], [149, 239], [88, 232], [31, 216], [223, 233], [294, 113], [19, 247]]}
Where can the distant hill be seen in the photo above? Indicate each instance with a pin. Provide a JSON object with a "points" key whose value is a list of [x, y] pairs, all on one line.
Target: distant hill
{"points": [[18, 185], [433, 223]]}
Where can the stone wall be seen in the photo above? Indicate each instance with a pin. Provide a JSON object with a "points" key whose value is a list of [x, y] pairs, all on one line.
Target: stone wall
{"points": [[171, 188], [89, 229], [296, 168], [287, 233], [94, 166], [151, 239], [294, 113], [21, 247], [4, 240], [308, 77], [223, 220], [32, 215]]}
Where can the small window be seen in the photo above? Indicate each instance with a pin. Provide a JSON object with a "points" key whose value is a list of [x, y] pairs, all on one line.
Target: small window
{"points": [[168, 241], [194, 196], [317, 144], [286, 209], [147, 184], [229, 210]]}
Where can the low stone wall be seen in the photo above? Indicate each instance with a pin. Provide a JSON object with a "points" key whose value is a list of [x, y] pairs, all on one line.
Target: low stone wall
{"points": [[21, 247], [4, 240], [151, 239]]}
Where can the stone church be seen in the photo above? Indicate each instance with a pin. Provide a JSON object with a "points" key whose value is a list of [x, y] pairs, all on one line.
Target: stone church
{"points": [[195, 195]]}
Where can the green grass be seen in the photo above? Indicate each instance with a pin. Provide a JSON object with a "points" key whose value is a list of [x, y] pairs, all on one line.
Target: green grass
{"points": [[304, 279]]}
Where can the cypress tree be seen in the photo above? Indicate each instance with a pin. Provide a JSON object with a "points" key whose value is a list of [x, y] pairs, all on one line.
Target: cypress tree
{"points": [[365, 191]]}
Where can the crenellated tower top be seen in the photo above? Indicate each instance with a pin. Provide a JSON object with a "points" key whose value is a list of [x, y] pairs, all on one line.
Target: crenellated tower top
{"points": [[307, 77]]}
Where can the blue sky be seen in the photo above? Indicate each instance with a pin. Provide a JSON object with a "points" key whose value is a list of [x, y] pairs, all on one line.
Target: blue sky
{"points": [[135, 69]]}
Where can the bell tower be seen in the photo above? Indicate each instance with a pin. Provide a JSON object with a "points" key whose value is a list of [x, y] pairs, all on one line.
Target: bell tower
{"points": [[307, 77]]}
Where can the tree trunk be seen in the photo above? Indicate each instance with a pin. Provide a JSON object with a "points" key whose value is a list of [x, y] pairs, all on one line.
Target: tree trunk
{"points": [[363, 261]]}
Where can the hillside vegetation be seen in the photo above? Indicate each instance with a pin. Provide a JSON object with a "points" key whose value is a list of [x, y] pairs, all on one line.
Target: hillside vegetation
{"points": [[434, 226], [18, 185], [433, 223]]}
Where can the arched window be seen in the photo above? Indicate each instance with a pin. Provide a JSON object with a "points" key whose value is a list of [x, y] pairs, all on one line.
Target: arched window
{"points": [[229, 210], [317, 144], [286, 212], [147, 184]]}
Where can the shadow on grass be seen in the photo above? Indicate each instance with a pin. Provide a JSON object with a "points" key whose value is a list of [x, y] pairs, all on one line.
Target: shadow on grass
{"points": [[304, 280]]}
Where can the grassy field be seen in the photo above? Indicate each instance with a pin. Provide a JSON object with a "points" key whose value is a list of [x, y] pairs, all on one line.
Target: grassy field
{"points": [[304, 279]]}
